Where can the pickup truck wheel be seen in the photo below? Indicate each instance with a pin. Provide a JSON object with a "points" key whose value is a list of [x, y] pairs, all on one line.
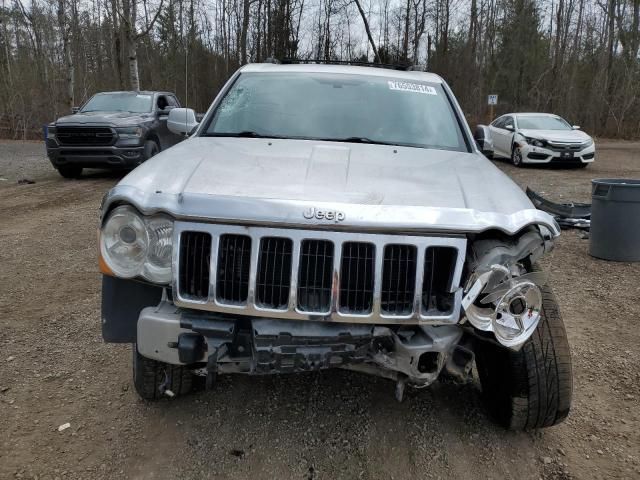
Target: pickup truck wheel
{"points": [[531, 388], [150, 149], [70, 171], [152, 378]]}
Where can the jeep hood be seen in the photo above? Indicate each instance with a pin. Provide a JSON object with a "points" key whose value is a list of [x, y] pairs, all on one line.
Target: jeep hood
{"points": [[264, 181], [115, 119]]}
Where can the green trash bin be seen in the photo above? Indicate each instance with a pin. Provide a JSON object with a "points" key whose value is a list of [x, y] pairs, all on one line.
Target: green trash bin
{"points": [[615, 219]]}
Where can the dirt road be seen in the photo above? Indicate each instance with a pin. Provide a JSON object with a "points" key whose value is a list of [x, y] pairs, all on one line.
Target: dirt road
{"points": [[54, 369]]}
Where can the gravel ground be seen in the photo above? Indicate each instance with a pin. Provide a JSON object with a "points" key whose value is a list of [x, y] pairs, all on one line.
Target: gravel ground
{"points": [[55, 369]]}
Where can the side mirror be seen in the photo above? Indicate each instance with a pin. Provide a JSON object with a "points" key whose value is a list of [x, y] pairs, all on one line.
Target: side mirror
{"points": [[576, 127], [75, 109], [182, 121], [164, 113], [509, 127]]}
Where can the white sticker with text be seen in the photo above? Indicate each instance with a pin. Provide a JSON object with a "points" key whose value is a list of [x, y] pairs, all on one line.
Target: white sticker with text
{"points": [[411, 87]]}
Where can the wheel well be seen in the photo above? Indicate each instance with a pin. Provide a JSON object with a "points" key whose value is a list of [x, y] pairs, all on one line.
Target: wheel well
{"points": [[513, 142], [154, 138]]}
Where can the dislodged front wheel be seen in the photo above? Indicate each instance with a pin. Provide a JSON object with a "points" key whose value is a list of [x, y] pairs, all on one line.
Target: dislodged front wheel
{"points": [[530, 388]]}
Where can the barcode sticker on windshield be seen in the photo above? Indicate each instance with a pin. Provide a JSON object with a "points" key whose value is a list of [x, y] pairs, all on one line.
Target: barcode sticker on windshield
{"points": [[411, 87]]}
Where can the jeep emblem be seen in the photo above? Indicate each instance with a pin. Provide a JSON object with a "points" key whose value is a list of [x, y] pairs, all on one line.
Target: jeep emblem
{"points": [[312, 212]]}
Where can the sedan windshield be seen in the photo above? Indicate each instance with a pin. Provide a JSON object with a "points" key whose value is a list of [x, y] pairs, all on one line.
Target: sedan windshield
{"points": [[339, 107], [543, 122], [119, 102]]}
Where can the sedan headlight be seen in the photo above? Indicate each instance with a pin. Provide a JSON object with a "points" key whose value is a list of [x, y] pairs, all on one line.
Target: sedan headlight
{"points": [[129, 132], [588, 143], [535, 142], [133, 245]]}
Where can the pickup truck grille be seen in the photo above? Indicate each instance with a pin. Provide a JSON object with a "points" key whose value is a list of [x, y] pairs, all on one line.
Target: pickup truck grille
{"points": [[336, 276], [99, 136]]}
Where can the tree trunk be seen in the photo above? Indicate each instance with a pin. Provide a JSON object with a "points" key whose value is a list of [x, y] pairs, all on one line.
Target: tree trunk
{"points": [[246, 4], [376, 57], [65, 29], [134, 79], [405, 37]]}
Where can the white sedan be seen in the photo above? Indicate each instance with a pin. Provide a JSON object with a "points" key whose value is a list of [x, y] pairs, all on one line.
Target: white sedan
{"points": [[535, 138]]}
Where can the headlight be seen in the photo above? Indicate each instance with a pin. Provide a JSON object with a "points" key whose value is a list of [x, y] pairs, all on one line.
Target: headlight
{"points": [[132, 245], [588, 143], [535, 142], [51, 132], [129, 132]]}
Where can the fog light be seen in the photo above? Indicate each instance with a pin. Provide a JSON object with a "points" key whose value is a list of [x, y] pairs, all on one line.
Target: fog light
{"points": [[517, 313]]}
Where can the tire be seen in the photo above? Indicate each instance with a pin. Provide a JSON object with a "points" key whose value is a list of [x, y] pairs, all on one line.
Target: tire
{"points": [[583, 165], [150, 375], [151, 148], [70, 171], [531, 388], [516, 157]]}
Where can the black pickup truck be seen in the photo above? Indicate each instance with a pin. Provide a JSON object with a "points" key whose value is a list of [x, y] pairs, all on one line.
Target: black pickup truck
{"points": [[112, 130]]}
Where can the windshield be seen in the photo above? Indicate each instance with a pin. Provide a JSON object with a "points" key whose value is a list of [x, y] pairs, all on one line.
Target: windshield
{"points": [[119, 102], [542, 122], [338, 107]]}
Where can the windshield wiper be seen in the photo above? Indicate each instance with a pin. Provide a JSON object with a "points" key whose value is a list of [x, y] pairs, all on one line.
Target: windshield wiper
{"points": [[357, 140]]}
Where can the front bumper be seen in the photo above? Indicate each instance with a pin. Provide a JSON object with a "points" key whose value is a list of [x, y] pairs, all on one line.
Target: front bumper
{"points": [[212, 343], [544, 155], [125, 154]]}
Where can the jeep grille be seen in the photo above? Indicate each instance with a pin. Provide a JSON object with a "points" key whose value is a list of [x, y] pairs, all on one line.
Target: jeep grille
{"points": [[398, 279], [274, 272], [195, 259], [337, 276], [315, 276], [234, 253]]}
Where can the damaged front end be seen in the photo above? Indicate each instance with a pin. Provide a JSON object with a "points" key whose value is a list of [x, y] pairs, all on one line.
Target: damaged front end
{"points": [[503, 292], [214, 344], [501, 302]]}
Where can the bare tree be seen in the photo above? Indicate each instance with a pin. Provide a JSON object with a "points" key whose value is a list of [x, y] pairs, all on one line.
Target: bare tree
{"points": [[368, 30]]}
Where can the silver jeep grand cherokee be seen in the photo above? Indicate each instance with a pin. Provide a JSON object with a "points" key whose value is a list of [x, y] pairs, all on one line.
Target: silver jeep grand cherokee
{"points": [[325, 216]]}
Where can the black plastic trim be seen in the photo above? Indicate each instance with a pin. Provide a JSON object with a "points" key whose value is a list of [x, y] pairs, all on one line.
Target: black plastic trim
{"points": [[122, 301]]}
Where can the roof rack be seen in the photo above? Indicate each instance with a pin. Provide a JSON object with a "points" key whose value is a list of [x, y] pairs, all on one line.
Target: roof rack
{"points": [[289, 61]]}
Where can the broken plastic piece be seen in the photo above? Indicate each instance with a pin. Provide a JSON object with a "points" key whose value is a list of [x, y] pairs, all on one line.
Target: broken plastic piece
{"points": [[568, 215], [565, 210]]}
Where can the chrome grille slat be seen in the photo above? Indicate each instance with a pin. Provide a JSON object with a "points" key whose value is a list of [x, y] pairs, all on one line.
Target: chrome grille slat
{"points": [[437, 260], [274, 273], [194, 260], [314, 281], [357, 273], [232, 275], [398, 279], [297, 274]]}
